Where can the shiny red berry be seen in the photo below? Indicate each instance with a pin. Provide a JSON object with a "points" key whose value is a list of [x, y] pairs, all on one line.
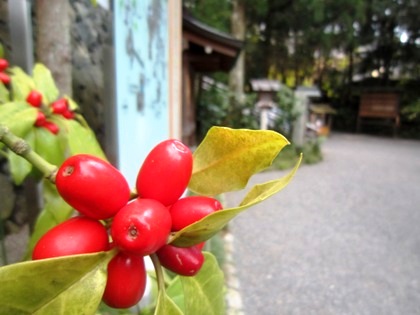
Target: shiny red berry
{"points": [[78, 235], [4, 64], [185, 261], [165, 173], [4, 78], [68, 114], [59, 106], [92, 186], [189, 210], [34, 98], [40, 119], [126, 280], [51, 127], [141, 227]]}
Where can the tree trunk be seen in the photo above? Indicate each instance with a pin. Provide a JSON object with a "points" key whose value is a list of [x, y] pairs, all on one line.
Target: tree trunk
{"points": [[53, 41], [238, 25]]}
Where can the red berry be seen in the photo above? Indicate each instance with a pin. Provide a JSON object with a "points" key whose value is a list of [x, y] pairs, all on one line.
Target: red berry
{"points": [[201, 245], [165, 172], [191, 209], [78, 235], [185, 261], [4, 78], [50, 126], [92, 186], [68, 114], [40, 119], [141, 227], [126, 281], [4, 64], [59, 106], [34, 98]]}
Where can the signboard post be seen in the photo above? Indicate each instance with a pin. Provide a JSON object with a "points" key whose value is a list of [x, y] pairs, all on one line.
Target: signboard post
{"points": [[140, 116]]}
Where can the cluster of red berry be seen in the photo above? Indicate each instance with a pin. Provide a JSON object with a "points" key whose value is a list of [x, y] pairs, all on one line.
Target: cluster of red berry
{"points": [[4, 77], [35, 99], [139, 225], [59, 107]]}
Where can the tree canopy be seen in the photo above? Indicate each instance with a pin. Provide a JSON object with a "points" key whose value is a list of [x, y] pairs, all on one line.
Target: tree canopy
{"points": [[305, 41]]}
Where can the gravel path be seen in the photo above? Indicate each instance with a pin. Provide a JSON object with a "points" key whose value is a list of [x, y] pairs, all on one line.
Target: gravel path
{"points": [[342, 238]]}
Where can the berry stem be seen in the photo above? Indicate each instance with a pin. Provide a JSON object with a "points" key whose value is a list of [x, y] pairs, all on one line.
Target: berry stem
{"points": [[159, 273], [23, 149]]}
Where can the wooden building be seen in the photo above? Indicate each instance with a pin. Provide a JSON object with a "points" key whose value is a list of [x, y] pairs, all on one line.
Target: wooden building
{"points": [[205, 50], [379, 107]]}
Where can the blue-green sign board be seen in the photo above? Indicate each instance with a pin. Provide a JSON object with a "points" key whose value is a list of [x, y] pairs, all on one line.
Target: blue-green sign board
{"points": [[141, 68]]}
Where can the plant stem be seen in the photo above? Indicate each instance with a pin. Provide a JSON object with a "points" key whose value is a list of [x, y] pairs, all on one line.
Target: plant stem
{"points": [[133, 193], [159, 272], [23, 149]]}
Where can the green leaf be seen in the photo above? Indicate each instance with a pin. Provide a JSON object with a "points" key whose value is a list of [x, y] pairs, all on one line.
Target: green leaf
{"points": [[51, 147], [19, 167], [205, 294], [22, 84], [45, 84], [4, 94], [80, 139], [176, 292], [19, 117], [165, 306], [227, 158], [72, 104], [213, 223], [66, 285], [55, 211]]}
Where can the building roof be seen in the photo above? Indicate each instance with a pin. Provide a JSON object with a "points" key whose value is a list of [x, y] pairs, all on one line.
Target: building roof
{"points": [[208, 48], [265, 85]]}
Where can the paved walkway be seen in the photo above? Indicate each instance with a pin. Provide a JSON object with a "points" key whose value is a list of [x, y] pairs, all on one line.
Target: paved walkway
{"points": [[342, 238]]}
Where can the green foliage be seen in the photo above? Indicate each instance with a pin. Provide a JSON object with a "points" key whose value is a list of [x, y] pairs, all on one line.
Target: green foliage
{"points": [[412, 111], [201, 9], [217, 106], [208, 289], [215, 222], [214, 159], [207, 285], [223, 162], [74, 137], [312, 151], [66, 285]]}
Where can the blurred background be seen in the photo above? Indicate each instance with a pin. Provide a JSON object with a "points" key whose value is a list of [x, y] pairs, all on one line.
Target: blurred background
{"points": [[329, 75]]}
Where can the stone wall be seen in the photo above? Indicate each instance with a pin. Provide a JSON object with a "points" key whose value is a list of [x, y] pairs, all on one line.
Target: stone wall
{"points": [[90, 29]]}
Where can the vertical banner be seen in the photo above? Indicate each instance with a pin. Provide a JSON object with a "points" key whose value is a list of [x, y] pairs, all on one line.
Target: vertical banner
{"points": [[141, 69]]}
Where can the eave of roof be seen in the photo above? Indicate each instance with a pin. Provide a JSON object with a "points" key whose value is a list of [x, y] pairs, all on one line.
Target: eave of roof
{"points": [[192, 25]]}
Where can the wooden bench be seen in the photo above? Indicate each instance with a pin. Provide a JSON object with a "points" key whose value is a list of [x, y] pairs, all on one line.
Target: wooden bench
{"points": [[379, 107]]}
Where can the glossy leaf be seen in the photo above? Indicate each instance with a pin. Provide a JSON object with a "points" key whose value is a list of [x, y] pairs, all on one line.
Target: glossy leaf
{"points": [[51, 147], [176, 292], [55, 211], [80, 139], [19, 167], [213, 223], [4, 94], [66, 285], [165, 305], [22, 84], [72, 104], [44, 83], [205, 294], [227, 158], [19, 117]]}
